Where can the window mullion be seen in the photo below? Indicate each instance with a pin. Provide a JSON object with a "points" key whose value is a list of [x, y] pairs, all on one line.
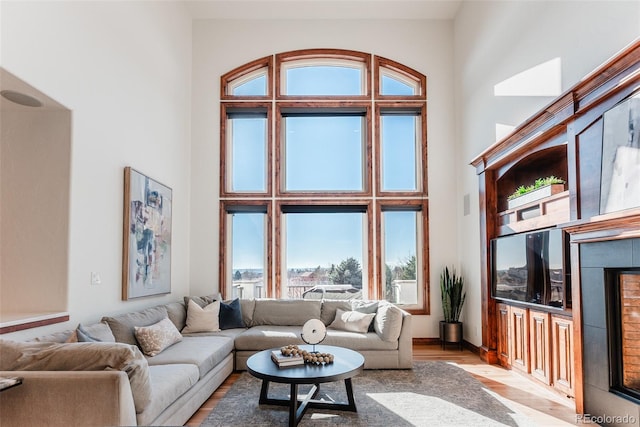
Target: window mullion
{"points": [[368, 197]]}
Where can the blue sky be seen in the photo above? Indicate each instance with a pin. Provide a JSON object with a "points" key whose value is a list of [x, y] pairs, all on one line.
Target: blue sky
{"points": [[322, 239], [323, 154]]}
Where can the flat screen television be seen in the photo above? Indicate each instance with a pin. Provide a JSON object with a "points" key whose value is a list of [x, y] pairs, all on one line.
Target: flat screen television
{"points": [[530, 267]]}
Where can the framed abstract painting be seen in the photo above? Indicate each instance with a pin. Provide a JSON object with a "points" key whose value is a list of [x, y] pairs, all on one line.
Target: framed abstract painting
{"points": [[146, 254]]}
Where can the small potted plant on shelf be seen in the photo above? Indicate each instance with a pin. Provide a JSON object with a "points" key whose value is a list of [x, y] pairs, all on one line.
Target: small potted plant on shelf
{"points": [[542, 187], [453, 298]]}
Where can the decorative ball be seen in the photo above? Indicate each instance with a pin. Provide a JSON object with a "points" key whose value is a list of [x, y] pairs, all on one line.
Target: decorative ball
{"points": [[311, 358]]}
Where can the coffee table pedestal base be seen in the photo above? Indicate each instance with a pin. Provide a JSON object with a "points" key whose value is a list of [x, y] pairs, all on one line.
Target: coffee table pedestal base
{"points": [[297, 407]]}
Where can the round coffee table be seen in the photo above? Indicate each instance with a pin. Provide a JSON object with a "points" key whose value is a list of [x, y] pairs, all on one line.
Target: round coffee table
{"points": [[347, 364]]}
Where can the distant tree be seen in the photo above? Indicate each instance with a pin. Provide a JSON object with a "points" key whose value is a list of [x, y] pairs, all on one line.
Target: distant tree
{"points": [[388, 276], [348, 272], [408, 269], [317, 272], [237, 275]]}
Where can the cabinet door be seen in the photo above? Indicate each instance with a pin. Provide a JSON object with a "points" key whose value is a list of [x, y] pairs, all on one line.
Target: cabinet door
{"points": [[539, 351], [504, 352], [519, 328], [561, 354]]}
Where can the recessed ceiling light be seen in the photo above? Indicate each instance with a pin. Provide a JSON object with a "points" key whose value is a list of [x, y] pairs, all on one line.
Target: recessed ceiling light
{"points": [[21, 98]]}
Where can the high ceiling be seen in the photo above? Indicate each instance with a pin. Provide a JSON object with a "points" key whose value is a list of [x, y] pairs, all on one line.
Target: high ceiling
{"points": [[323, 9]]}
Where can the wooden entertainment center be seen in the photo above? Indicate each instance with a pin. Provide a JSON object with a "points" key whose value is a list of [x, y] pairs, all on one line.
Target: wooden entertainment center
{"points": [[564, 139]]}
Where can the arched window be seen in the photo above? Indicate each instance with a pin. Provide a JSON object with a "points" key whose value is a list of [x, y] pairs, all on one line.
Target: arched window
{"points": [[323, 179]]}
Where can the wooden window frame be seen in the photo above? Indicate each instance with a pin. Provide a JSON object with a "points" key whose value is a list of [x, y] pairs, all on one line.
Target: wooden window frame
{"points": [[421, 205], [236, 73], [372, 199], [409, 73], [279, 160], [339, 54], [225, 208], [423, 179], [224, 146], [367, 205]]}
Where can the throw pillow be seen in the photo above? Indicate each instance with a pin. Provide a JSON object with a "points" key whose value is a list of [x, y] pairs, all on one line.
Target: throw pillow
{"points": [[202, 319], [202, 301], [231, 315], [352, 321], [365, 307], [122, 325], [155, 338], [388, 322], [85, 336], [80, 334]]}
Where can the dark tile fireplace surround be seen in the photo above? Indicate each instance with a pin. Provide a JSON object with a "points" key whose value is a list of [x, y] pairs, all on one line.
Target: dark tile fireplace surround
{"points": [[600, 264]]}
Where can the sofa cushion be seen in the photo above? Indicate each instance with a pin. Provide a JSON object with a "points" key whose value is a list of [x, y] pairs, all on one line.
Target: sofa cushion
{"points": [[285, 312], [352, 321], [168, 383], [99, 331], [202, 301], [155, 338], [329, 307], [247, 306], [204, 352], [177, 313], [202, 319], [230, 333], [357, 341], [388, 321], [88, 356], [268, 336], [123, 324], [231, 315]]}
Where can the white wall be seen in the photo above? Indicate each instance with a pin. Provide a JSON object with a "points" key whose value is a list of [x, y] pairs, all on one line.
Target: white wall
{"points": [[221, 45], [496, 40], [124, 71]]}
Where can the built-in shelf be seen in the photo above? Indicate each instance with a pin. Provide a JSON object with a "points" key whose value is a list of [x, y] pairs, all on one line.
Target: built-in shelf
{"points": [[565, 140], [12, 322], [546, 212]]}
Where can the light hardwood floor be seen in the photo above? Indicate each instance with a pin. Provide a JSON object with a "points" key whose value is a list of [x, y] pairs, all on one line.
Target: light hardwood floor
{"points": [[540, 404]]}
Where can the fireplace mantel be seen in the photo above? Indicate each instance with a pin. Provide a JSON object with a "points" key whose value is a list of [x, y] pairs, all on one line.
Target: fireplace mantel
{"points": [[614, 226]]}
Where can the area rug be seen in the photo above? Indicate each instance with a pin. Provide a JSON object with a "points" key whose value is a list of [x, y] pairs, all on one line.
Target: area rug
{"points": [[433, 393]]}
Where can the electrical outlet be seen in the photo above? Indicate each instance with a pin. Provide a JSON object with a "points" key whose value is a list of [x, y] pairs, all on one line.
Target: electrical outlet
{"points": [[95, 278]]}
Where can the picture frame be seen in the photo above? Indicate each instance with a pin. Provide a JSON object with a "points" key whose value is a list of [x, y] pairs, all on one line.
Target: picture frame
{"points": [[620, 179], [146, 254]]}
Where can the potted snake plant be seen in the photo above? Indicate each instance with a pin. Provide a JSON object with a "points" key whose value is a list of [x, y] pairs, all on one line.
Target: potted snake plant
{"points": [[451, 285]]}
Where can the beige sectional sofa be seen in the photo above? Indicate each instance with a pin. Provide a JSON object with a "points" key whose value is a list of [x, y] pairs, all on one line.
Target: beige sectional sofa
{"points": [[112, 382]]}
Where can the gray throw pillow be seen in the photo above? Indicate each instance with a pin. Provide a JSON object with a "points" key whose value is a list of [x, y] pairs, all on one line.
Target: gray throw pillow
{"points": [[388, 322], [202, 301], [352, 321], [84, 336], [365, 307], [122, 325]]}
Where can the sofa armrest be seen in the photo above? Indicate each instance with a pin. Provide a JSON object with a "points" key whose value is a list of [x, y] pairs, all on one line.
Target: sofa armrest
{"points": [[405, 342], [68, 398]]}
